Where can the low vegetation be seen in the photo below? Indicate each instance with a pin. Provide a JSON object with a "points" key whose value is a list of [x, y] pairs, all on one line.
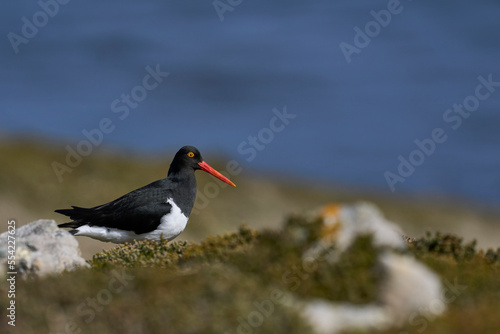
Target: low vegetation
{"points": [[245, 282]]}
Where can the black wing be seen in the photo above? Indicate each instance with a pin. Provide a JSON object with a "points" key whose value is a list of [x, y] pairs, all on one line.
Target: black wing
{"points": [[139, 211]]}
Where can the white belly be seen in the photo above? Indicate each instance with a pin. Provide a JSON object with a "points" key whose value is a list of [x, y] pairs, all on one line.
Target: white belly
{"points": [[171, 225]]}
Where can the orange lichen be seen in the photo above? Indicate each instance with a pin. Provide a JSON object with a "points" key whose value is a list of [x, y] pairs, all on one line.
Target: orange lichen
{"points": [[331, 223]]}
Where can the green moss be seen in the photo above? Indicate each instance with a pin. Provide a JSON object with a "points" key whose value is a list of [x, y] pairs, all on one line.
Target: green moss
{"points": [[149, 300], [161, 254], [471, 286], [214, 286], [270, 257], [452, 246]]}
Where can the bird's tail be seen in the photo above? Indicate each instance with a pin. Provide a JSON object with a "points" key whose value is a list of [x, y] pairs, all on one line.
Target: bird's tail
{"points": [[78, 215]]}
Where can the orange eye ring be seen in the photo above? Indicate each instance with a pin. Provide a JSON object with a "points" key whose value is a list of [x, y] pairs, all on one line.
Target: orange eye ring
{"points": [[190, 154]]}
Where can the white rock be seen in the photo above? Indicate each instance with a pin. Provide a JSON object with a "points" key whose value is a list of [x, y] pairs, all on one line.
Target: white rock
{"points": [[408, 288], [42, 248], [363, 218], [327, 318]]}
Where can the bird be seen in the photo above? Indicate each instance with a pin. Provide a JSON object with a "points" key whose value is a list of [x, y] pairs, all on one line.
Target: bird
{"points": [[159, 209]]}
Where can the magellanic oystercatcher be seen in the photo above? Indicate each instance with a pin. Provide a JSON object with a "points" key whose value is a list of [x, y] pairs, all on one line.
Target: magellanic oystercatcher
{"points": [[161, 207]]}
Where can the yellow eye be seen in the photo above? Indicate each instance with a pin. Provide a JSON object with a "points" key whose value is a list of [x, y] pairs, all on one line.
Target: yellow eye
{"points": [[190, 154]]}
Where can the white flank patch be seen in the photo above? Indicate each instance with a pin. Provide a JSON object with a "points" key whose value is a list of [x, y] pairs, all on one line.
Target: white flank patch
{"points": [[171, 225]]}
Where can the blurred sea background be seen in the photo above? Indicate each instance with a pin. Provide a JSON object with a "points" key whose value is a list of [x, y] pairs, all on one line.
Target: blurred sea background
{"points": [[228, 71]]}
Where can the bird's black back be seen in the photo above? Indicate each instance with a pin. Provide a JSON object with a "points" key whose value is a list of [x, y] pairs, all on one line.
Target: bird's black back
{"points": [[140, 210]]}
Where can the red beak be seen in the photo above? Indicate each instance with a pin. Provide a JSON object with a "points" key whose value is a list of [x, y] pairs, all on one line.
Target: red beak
{"points": [[206, 168]]}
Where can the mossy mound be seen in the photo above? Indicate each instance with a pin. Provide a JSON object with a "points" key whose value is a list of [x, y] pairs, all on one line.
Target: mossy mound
{"points": [[238, 282], [247, 282], [161, 254], [270, 257], [209, 299], [471, 283]]}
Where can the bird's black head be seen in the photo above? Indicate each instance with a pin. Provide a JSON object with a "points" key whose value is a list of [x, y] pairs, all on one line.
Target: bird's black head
{"points": [[188, 158]]}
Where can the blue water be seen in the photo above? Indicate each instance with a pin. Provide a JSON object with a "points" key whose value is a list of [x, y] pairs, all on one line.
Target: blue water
{"points": [[352, 119]]}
